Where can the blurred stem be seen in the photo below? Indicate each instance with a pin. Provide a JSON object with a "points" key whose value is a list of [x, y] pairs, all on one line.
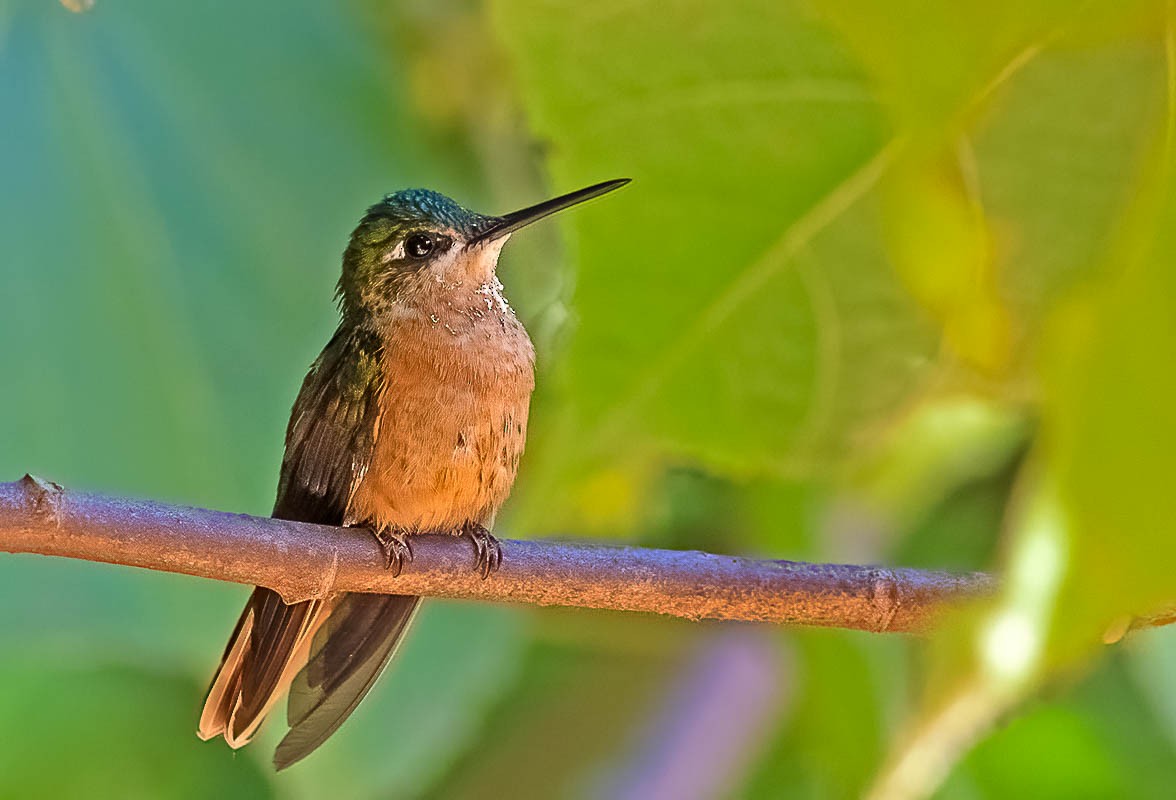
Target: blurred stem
{"points": [[303, 561]]}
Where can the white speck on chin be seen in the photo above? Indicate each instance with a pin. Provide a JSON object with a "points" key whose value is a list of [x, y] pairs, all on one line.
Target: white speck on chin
{"points": [[492, 290]]}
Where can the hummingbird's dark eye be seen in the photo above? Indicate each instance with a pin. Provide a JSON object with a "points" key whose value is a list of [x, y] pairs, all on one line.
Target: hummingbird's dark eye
{"points": [[418, 245]]}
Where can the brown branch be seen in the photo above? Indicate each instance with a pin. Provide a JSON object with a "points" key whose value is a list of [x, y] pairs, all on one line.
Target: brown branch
{"points": [[301, 561]]}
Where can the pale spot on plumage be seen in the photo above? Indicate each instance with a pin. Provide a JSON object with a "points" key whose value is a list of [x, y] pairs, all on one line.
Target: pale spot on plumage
{"points": [[395, 254], [492, 291]]}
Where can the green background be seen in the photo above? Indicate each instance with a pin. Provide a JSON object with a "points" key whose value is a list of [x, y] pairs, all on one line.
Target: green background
{"points": [[893, 283]]}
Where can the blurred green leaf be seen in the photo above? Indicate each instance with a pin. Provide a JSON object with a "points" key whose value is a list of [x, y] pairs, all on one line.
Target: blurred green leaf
{"points": [[732, 304], [825, 223], [80, 612], [1058, 151], [1109, 427], [1099, 740], [1091, 538], [111, 732], [1052, 753]]}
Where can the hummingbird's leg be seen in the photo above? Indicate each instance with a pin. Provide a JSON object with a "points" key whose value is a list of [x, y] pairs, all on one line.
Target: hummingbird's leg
{"points": [[487, 551], [397, 550]]}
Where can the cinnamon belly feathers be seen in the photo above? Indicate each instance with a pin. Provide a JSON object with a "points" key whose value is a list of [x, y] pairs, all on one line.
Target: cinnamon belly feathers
{"points": [[412, 420]]}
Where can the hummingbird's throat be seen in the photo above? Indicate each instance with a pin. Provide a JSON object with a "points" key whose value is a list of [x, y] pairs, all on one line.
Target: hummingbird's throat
{"points": [[470, 266]]}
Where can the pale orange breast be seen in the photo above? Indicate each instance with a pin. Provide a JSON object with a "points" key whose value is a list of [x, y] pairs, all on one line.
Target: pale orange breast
{"points": [[454, 423]]}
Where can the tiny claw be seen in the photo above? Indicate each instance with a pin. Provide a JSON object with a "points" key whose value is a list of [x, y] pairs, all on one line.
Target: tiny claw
{"points": [[397, 551], [487, 551]]}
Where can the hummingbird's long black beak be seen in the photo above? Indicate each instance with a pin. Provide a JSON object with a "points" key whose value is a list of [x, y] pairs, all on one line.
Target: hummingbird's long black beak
{"points": [[501, 226]]}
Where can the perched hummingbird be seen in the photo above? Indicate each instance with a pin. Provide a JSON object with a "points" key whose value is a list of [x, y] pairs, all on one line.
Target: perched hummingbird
{"points": [[412, 420]]}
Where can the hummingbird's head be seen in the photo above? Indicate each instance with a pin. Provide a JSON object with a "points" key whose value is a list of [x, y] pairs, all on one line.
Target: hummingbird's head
{"points": [[415, 240]]}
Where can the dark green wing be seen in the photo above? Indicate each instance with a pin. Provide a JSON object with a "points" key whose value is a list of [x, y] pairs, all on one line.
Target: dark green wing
{"points": [[329, 442], [332, 430]]}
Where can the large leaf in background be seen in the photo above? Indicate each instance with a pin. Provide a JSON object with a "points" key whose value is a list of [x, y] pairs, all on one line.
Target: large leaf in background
{"points": [[742, 303], [716, 311], [178, 184], [1053, 157], [805, 249]]}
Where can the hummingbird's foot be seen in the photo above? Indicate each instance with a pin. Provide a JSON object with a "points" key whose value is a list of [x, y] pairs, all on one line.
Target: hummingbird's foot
{"points": [[397, 550], [487, 551]]}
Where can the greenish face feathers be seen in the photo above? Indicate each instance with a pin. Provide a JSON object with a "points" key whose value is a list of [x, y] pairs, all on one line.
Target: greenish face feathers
{"points": [[417, 232], [398, 239]]}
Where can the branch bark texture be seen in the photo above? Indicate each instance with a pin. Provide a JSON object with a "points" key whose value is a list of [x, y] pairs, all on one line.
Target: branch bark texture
{"points": [[303, 561]]}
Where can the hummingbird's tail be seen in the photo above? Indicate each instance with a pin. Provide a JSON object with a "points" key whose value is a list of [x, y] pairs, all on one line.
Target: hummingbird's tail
{"points": [[348, 653], [268, 645], [344, 643]]}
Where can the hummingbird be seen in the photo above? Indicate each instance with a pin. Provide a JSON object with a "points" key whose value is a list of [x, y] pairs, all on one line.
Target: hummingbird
{"points": [[412, 420]]}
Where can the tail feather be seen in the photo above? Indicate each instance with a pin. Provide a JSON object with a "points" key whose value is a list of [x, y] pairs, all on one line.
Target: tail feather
{"points": [[348, 654], [328, 653], [269, 644], [214, 719]]}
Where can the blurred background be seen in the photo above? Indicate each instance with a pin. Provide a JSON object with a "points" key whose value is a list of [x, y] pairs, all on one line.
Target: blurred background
{"points": [[894, 283]]}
